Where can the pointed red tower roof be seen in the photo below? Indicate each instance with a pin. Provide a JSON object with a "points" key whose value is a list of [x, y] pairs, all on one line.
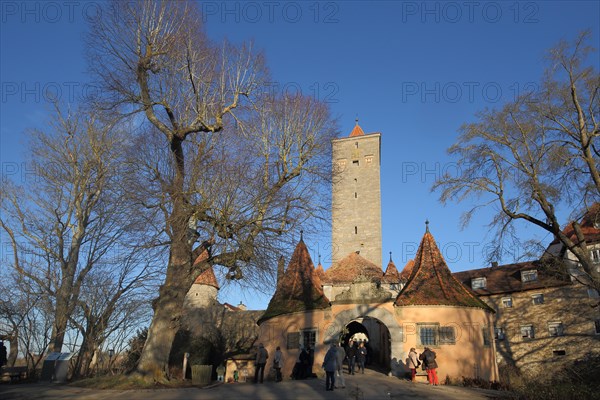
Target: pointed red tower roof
{"points": [[207, 277], [299, 289], [357, 131], [320, 272], [407, 271], [432, 283], [391, 274], [350, 267]]}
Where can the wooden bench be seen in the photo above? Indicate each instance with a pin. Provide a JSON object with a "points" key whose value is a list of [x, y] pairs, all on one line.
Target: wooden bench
{"points": [[13, 374]]}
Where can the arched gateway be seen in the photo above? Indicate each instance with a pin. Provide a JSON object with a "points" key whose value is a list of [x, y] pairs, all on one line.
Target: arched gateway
{"points": [[392, 351]]}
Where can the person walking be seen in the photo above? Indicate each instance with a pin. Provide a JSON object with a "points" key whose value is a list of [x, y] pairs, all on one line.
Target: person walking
{"points": [[413, 363], [351, 355], [428, 356], [277, 364], [261, 361], [330, 366], [361, 356], [3, 354], [339, 373]]}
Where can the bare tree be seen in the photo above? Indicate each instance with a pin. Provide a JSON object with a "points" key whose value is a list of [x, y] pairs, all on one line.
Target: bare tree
{"points": [[238, 166], [68, 219], [538, 155]]}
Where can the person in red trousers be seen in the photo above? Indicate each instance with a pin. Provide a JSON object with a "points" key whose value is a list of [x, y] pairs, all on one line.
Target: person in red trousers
{"points": [[428, 357]]}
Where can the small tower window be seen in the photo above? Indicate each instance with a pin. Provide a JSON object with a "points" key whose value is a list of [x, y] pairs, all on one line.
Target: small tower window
{"points": [[355, 195], [356, 144], [355, 162], [356, 230]]}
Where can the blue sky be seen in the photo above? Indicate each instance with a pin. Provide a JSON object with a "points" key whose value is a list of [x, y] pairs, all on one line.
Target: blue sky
{"points": [[414, 71]]}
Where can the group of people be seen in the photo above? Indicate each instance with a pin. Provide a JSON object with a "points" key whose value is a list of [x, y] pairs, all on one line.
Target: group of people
{"points": [[429, 364], [333, 363]]}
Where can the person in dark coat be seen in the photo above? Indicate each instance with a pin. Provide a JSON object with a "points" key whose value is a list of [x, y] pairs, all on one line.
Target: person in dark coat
{"points": [[428, 356], [361, 356], [351, 356], [2, 354], [330, 365], [299, 371], [261, 361]]}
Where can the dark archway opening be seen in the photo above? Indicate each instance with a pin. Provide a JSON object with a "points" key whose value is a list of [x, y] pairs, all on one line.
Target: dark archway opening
{"points": [[378, 342]]}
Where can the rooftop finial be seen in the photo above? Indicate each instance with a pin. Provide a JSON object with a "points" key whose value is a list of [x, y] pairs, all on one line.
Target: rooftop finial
{"points": [[427, 225], [319, 258], [301, 233], [356, 119], [390, 256]]}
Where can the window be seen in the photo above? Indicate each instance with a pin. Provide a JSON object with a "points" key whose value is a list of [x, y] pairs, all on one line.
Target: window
{"points": [[507, 302], [597, 327], [293, 340], [356, 144], [486, 335], [529, 276], [355, 195], [309, 338], [527, 332], [478, 283], [356, 230], [447, 335], [595, 256], [538, 299], [555, 329], [499, 333], [559, 353], [428, 334], [355, 162]]}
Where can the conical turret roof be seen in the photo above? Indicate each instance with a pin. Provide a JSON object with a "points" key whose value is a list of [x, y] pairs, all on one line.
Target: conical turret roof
{"points": [[432, 283], [357, 131], [299, 289], [391, 274], [207, 277]]}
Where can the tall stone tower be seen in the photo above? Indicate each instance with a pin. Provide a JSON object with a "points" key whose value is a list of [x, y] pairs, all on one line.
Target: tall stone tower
{"points": [[356, 203]]}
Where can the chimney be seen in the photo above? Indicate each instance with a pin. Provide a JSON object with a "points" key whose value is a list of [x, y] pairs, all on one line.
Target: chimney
{"points": [[494, 264]]}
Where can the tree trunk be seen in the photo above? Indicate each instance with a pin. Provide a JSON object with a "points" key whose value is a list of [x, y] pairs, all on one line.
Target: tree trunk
{"points": [[154, 360]]}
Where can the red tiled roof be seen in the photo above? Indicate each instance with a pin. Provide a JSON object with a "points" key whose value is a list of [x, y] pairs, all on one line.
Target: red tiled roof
{"points": [[407, 271], [207, 277], [507, 278], [432, 283], [299, 289], [350, 267], [231, 307], [588, 224], [391, 274], [357, 131], [320, 271]]}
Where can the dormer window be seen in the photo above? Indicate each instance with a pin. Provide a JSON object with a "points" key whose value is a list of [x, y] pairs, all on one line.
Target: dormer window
{"points": [[478, 283], [529, 276]]}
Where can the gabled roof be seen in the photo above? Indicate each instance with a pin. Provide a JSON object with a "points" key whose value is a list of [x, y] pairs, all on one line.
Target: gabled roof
{"points": [[299, 289], [391, 274], [589, 224], [432, 283], [507, 278], [357, 131], [350, 267]]}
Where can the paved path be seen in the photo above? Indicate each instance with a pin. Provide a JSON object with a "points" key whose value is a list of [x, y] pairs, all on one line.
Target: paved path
{"points": [[370, 386]]}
